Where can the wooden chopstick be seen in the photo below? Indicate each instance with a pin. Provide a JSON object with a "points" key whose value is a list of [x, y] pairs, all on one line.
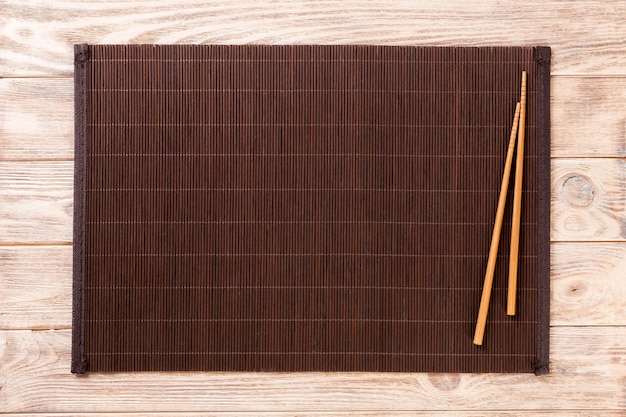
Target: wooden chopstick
{"points": [[517, 205], [495, 238]]}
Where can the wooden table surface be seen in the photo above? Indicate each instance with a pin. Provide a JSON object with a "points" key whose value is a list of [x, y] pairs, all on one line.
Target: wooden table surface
{"points": [[588, 234]]}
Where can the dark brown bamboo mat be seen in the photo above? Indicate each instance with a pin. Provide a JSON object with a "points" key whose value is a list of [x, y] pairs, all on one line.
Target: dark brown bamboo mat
{"points": [[305, 208]]}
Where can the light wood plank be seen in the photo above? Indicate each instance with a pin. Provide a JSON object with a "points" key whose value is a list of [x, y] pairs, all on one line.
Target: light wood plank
{"points": [[36, 287], [37, 118], [377, 413], [588, 372], [36, 202], [588, 117], [588, 200], [38, 34], [588, 286]]}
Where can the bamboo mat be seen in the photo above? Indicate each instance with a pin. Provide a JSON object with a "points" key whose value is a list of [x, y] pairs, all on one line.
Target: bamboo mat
{"points": [[305, 208]]}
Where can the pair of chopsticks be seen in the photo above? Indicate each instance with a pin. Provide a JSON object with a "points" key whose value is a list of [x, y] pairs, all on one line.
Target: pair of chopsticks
{"points": [[516, 132]]}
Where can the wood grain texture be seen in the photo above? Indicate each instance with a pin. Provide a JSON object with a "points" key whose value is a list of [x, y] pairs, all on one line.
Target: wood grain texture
{"points": [[36, 378], [377, 413], [575, 29], [36, 287], [588, 116], [588, 288], [36, 118], [588, 199], [588, 284], [36, 200], [592, 107]]}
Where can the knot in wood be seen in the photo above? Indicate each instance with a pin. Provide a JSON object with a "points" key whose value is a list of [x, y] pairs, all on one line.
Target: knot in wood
{"points": [[578, 191]]}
